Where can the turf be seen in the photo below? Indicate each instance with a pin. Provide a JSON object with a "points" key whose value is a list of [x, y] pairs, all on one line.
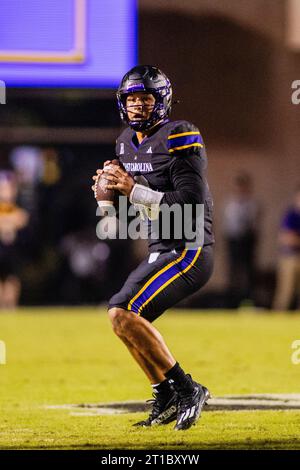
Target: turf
{"points": [[60, 356]]}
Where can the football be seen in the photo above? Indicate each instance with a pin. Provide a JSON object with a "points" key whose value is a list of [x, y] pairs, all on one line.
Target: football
{"points": [[106, 197]]}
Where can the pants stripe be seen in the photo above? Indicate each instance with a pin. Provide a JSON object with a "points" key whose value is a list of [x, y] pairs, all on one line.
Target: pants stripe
{"points": [[162, 279]]}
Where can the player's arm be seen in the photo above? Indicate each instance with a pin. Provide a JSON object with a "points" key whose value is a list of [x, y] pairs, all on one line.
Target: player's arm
{"points": [[187, 180], [188, 161], [186, 174]]}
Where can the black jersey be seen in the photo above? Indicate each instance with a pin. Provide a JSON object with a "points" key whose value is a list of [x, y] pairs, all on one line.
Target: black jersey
{"points": [[173, 160]]}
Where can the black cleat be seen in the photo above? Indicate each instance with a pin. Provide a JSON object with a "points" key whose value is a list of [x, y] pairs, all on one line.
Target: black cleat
{"points": [[190, 406], [164, 410]]}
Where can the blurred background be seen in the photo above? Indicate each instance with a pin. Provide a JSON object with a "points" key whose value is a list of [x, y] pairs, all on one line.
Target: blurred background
{"points": [[231, 64]]}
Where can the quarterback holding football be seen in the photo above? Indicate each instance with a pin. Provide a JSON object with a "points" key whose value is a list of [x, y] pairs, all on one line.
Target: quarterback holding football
{"points": [[159, 162]]}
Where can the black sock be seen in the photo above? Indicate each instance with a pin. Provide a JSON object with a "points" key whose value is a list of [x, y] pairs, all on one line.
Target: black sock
{"points": [[164, 387], [181, 381]]}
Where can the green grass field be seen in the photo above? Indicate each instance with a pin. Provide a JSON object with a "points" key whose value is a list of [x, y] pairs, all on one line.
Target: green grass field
{"points": [[62, 356]]}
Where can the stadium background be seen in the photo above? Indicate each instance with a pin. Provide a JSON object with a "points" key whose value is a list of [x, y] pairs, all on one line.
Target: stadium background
{"points": [[231, 65]]}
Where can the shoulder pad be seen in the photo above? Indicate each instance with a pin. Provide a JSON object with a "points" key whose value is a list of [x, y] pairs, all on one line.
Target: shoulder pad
{"points": [[185, 139]]}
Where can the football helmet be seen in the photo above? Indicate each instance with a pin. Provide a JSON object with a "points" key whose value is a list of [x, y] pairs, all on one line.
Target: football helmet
{"points": [[148, 79]]}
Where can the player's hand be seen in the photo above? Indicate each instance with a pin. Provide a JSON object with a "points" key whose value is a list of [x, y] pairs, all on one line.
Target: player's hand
{"points": [[96, 178], [119, 179]]}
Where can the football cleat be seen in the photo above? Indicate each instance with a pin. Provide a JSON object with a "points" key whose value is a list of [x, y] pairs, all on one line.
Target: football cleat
{"points": [[164, 410], [190, 406]]}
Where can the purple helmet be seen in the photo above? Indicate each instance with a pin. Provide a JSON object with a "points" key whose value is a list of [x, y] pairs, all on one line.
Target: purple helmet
{"points": [[148, 79]]}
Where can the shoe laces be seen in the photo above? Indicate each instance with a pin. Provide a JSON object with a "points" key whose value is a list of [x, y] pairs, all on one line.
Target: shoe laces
{"points": [[185, 400], [158, 401]]}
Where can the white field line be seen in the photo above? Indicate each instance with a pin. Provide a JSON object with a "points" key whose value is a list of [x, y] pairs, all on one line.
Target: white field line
{"points": [[229, 402]]}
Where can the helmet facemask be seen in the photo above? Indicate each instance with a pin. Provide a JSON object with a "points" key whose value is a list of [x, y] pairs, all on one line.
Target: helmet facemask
{"points": [[144, 121]]}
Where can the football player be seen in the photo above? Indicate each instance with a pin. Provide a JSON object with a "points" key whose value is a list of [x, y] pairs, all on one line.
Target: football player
{"points": [[170, 157]]}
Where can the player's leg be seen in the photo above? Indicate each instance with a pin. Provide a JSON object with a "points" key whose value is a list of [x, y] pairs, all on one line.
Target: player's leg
{"points": [[149, 297], [153, 373], [119, 311], [162, 388], [191, 396], [164, 406], [187, 274], [143, 337], [148, 348]]}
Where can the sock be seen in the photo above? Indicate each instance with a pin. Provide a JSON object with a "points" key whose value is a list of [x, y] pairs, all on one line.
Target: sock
{"points": [[164, 387], [181, 381]]}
